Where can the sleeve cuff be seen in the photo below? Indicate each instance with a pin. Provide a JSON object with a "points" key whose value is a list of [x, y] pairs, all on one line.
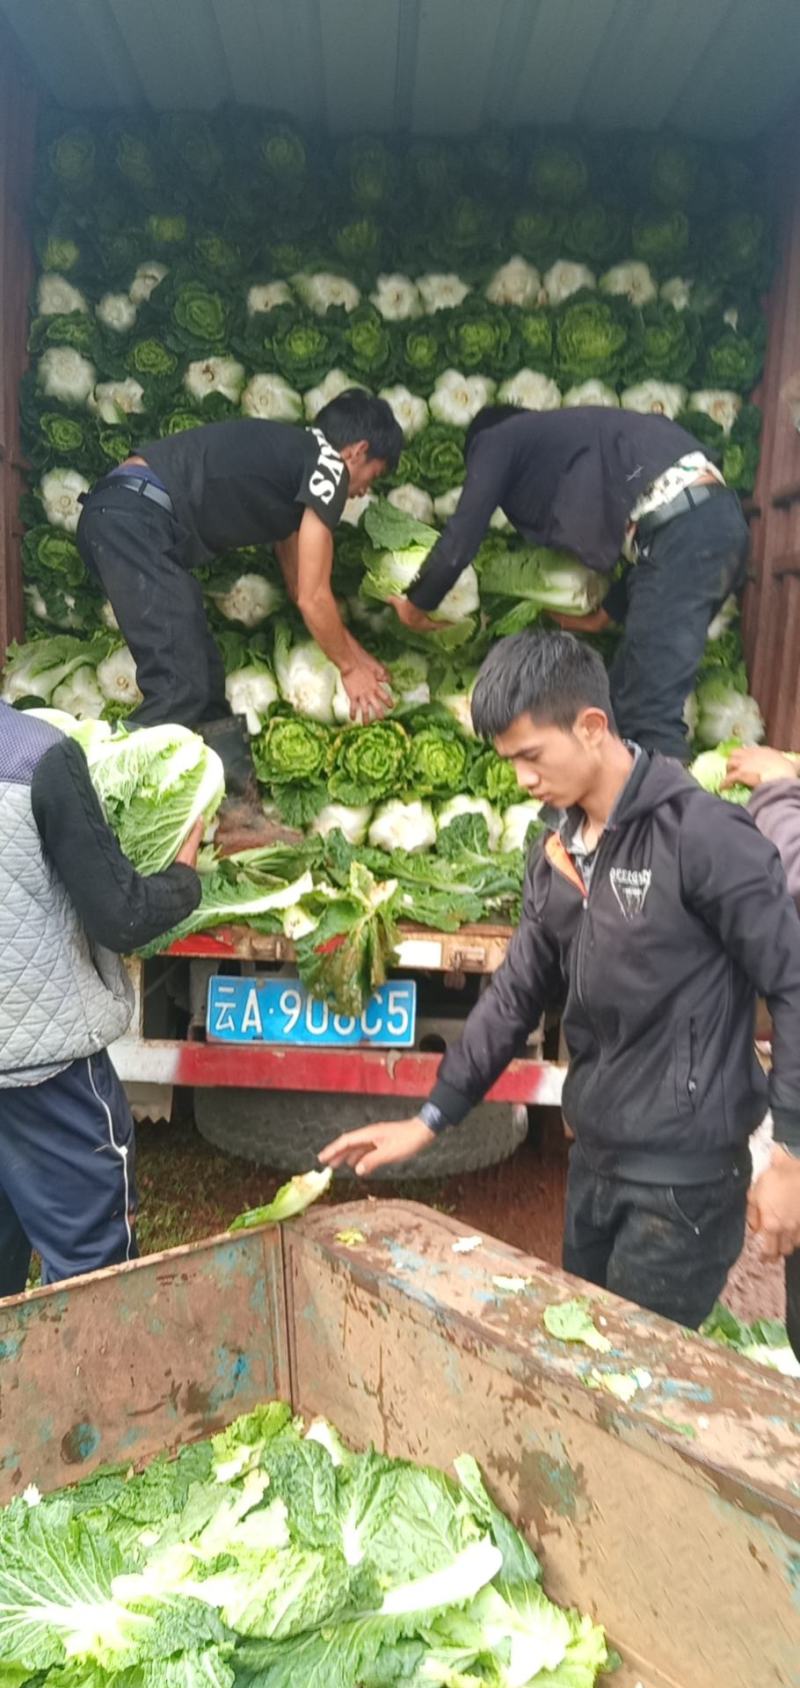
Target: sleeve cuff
{"points": [[786, 1130], [423, 594], [449, 1103]]}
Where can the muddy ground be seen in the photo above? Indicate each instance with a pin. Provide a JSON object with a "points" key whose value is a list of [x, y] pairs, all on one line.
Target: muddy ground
{"points": [[188, 1190]]}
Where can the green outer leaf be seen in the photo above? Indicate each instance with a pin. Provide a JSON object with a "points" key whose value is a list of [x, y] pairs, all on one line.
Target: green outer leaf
{"points": [[304, 349], [591, 335], [436, 456], [368, 763], [291, 751], [479, 336], [437, 763]]}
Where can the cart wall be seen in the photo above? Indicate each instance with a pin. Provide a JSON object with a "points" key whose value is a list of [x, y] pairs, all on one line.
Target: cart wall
{"points": [[674, 1520]]}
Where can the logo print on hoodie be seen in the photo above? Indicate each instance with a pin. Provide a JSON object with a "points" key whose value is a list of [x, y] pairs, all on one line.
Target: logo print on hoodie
{"points": [[630, 886]]}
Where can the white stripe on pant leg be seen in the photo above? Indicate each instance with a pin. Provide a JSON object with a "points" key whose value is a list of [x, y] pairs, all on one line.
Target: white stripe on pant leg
{"points": [[119, 1149]]}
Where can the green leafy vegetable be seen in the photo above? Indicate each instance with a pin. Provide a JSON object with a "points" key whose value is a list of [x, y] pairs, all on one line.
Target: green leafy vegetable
{"points": [[590, 340], [352, 944], [765, 1340], [291, 1199], [368, 763], [571, 1321], [154, 785]]}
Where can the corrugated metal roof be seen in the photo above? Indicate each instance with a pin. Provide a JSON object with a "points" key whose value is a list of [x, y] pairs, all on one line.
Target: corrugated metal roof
{"points": [[722, 68]]}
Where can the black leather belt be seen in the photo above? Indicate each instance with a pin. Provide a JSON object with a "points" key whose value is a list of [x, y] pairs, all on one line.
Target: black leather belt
{"points": [[137, 483], [680, 505]]}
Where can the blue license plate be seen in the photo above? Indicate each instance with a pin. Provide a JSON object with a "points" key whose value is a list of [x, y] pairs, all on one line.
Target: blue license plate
{"points": [[281, 1011]]}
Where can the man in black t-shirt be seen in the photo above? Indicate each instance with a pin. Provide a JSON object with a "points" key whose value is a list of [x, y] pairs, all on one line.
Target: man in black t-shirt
{"points": [[601, 483], [185, 499]]}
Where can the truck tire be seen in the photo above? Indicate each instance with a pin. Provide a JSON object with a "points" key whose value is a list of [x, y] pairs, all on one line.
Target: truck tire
{"points": [[285, 1130]]}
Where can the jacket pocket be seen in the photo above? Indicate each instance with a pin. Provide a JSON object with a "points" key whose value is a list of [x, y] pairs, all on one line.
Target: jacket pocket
{"points": [[698, 1206], [686, 1069]]}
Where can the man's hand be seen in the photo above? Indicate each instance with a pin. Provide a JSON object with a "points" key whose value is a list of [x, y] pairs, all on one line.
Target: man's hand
{"points": [[756, 764], [187, 853], [417, 620], [374, 1146], [595, 622], [367, 684], [773, 1205]]}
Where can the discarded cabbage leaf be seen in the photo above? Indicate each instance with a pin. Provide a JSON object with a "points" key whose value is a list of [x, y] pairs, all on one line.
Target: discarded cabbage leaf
{"points": [[571, 1321], [291, 1199]]}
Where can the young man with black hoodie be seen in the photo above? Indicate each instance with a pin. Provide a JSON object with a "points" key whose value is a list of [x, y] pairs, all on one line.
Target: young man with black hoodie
{"points": [[653, 914]]}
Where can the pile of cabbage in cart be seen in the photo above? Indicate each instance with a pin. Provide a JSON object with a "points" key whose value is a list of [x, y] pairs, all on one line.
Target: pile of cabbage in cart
{"points": [[272, 1556]]}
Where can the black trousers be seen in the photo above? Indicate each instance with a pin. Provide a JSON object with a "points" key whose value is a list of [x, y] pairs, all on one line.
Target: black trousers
{"points": [[685, 572], [669, 1248], [135, 549]]}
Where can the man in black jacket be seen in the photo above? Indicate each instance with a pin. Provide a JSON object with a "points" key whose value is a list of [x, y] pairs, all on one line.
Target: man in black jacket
{"points": [[654, 913], [183, 500], [71, 903], [601, 482]]}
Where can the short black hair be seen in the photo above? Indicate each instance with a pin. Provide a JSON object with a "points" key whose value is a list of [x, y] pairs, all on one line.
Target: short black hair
{"points": [[356, 415], [489, 417], [550, 676]]}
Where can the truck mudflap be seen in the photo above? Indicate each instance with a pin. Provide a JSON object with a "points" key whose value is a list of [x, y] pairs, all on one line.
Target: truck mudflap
{"points": [[672, 1516]]}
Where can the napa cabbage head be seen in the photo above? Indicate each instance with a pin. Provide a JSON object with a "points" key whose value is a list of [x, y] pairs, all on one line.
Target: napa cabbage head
{"points": [[154, 785], [249, 600], [724, 711], [306, 679], [251, 691], [403, 826], [452, 815], [350, 819], [710, 769], [400, 547], [521, 822]]}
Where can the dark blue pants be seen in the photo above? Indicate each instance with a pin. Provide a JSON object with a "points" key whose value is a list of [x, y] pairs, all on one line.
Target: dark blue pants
{"points": [[669, 1248], [686, 570], [67, 1184]]}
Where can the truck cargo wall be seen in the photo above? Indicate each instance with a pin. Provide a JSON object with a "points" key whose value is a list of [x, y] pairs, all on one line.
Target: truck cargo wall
{"points": [[772, 602], [18, 102]]}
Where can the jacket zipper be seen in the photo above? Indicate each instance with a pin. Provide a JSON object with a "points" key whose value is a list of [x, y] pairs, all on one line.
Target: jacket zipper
{"points": [[580, 946], [691, 1082]]}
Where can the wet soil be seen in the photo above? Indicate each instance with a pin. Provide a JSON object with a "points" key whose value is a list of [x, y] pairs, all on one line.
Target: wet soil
{"points": [[188, 1190]]}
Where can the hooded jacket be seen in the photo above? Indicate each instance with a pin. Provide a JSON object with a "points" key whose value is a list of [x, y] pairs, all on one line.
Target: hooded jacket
{"points": [[775, 808], [657, 967]]}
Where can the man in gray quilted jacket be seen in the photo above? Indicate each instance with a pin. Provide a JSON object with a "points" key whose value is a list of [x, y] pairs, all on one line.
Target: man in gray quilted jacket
{"points": [[70, 904]]}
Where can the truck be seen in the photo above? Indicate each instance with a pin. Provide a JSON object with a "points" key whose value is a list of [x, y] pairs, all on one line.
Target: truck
{"points": [[515, 67], [673, 1515]]}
